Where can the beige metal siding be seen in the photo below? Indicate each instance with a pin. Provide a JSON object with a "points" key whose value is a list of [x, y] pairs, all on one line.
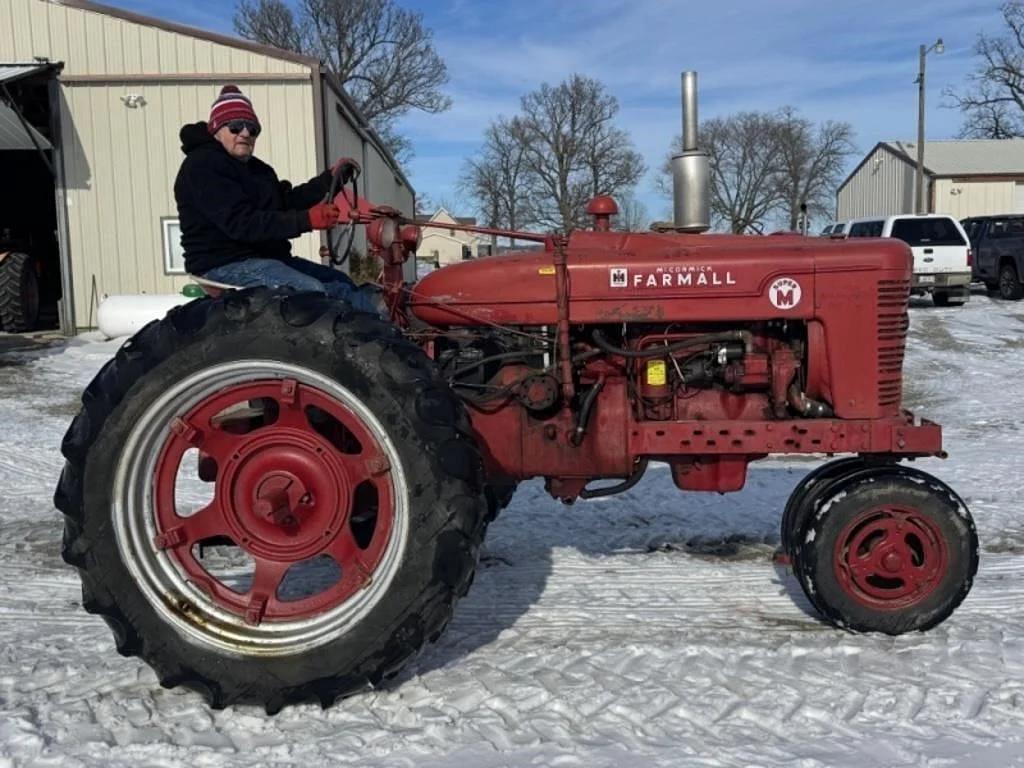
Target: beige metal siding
{"points": [[92, 43], [121, 164], [883, 186], [379, 182], [961, 199]]}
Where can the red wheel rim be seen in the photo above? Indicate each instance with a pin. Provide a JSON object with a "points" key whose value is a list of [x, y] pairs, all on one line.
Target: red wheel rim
{"points": [[286, 492], [890, 558]]}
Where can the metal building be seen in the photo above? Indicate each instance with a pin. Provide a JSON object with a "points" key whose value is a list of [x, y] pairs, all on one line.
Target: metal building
{"points": [[116, 88], [962, 178]]}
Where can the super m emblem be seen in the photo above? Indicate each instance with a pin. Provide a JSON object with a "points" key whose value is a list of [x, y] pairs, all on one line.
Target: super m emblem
{"points": [[785, 293]]}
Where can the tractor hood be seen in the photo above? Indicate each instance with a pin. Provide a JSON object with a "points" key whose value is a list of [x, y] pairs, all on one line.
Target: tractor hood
{"points": [[626, 277]]}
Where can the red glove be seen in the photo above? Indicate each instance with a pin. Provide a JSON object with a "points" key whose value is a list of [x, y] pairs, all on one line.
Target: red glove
{"points": [[349, 169], [324, 215]]}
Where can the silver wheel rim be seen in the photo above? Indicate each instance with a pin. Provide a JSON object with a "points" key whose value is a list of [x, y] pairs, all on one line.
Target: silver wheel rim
{"points": [[165, 585]]}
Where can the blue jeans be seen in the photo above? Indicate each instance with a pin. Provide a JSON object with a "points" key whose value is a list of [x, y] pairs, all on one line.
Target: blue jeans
{"points": [[294, 273]]}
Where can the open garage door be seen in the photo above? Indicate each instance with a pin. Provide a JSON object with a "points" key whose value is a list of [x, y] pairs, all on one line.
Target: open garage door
{"points": [[32, 248]]}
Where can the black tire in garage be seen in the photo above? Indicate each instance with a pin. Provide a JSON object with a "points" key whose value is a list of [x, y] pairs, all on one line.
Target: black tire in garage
{"points": [[362, 458], [19, 293]]}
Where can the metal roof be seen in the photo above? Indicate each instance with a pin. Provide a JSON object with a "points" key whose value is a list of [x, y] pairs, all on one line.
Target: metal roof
{"points": [[969, 157], [11, 72], [12, 131]]}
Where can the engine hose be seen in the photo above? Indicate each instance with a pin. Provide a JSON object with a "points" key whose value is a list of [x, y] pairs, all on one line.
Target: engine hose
{"points": [[694, 341], [611, 490], [805, 406], [585, 410], [468, 367]]}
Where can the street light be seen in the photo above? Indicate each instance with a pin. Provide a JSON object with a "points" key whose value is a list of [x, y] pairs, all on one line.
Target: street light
{"points": [[938, 47]]}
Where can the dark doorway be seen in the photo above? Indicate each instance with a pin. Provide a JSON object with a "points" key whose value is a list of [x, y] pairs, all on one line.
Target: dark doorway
{"points": [[30, 263]]}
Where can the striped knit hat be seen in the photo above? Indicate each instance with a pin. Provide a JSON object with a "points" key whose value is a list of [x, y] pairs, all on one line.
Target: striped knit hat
{"points": [[232, 104]]}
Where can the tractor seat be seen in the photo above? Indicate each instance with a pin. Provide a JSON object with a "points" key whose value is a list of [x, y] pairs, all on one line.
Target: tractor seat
{"points": [[212, 288]]}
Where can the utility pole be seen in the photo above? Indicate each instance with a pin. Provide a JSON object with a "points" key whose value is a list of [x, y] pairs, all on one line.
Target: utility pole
{"points": [[919, 203]]}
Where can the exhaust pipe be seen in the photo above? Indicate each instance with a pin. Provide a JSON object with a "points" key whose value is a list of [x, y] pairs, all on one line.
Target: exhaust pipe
{"points": [[691, 170]]}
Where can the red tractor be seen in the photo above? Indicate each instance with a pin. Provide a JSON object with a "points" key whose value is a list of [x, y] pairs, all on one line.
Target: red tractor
{"points": [[348, 467]]}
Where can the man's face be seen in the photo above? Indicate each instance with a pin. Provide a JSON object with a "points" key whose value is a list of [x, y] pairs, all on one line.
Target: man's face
{"points": [[239, 145]]}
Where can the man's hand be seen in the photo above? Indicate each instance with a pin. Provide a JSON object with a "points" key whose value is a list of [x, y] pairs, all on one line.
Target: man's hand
{"points": [[324, 215], [349, 169]]}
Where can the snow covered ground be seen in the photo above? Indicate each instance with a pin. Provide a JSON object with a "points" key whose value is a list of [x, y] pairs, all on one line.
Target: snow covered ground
{"points": [[650, 629]]}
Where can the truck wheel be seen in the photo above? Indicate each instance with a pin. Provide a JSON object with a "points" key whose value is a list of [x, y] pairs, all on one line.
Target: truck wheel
{"points": [[1010, 287], [890, 550], [354, 502], [802, 501], [19, 293], [940, 298]]}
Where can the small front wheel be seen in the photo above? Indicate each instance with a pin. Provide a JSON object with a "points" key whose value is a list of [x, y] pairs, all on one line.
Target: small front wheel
{"points": [[893, 550]]}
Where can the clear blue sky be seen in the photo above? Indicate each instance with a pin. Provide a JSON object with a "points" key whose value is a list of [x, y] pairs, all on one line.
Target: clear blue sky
{"points": [[831, 59]]}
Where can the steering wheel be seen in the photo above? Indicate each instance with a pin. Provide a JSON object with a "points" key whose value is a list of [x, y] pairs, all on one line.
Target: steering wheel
{"points": [[344, 172]]}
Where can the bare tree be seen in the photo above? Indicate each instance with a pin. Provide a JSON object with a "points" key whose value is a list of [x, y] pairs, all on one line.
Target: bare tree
{"points": [[499, 177], [745, 166], [383, 54], [993, 100], [765, 165], [811, 164], [633, 216], [573, 150]]}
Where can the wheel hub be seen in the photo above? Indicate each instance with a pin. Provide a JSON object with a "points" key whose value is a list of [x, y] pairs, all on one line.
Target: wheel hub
{"points": [[890, 558], [285, 496], [302, 480]]}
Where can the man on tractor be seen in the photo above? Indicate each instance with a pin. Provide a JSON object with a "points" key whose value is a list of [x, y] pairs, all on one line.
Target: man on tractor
{"points": [[237, 216]]}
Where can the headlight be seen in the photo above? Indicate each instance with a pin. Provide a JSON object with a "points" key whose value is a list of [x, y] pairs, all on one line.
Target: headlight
{"points": [[382, 232], [412, 237]]}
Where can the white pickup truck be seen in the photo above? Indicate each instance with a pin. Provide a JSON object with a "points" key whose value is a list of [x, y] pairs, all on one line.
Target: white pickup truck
{"points": [[942, 253]]}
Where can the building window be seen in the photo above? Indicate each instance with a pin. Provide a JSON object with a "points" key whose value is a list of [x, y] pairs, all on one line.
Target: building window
{"points": [[451, 233], [174, 254]]}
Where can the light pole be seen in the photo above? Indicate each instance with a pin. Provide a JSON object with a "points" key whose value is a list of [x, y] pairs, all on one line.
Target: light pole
{"points": [[938, 47]]}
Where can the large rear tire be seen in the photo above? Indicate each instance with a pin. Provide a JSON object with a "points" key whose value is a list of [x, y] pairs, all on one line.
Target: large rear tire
{"points": [[19, 293], [359, 465]]}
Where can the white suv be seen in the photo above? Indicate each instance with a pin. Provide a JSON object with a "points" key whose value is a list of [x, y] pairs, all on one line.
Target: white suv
{"points": [[942, 253]]}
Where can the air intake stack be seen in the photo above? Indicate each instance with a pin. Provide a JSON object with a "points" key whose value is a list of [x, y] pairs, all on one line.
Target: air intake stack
{"points": [[691, 170]]}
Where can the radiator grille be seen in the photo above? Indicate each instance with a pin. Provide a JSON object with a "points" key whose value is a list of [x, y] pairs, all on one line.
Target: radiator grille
{"points": [[893, 322]]}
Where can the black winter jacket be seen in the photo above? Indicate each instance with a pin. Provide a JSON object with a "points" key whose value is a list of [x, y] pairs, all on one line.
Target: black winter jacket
{"points": [[231, 210]]}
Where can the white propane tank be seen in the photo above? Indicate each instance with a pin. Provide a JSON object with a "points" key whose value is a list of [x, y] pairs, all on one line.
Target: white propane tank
{"points": [[125, 315]]}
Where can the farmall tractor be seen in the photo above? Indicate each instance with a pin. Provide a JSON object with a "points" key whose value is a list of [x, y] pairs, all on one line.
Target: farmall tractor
{"points": [[347, 467]]}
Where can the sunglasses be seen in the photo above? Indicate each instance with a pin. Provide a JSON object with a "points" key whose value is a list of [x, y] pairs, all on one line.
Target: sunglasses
{"points": [[236, 126]]}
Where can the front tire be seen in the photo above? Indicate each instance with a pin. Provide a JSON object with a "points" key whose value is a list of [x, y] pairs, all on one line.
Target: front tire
{"points": [[359, 478], [890, 550]]}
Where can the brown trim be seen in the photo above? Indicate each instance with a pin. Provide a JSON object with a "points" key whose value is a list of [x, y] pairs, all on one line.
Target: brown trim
{"points": [[319, 133], [197, 77], [182, 29], [982, 177]]}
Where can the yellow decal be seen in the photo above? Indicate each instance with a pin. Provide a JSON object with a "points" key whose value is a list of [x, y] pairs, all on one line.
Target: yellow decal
{"points": [[546, 271], [657, 373]]}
